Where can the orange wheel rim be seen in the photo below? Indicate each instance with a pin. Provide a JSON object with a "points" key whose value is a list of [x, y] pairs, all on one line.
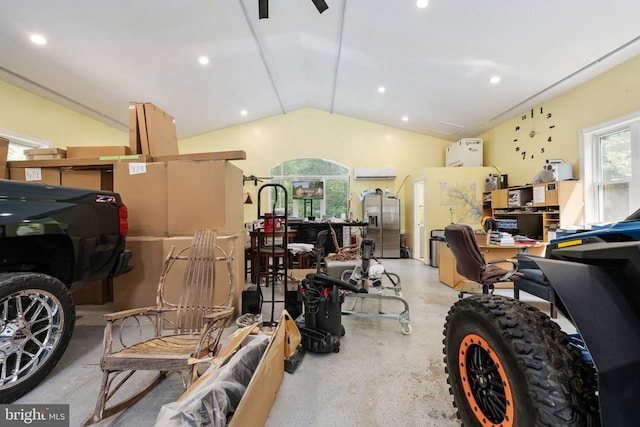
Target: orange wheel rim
{"points": [[485, 383]]}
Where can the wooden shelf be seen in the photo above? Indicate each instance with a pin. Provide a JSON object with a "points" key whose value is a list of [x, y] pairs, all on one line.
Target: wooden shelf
{"points": [[96, 163], [560, 203]]}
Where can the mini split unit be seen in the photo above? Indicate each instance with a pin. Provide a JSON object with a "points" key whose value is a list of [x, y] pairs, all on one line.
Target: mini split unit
{"points": [[375, 173]]}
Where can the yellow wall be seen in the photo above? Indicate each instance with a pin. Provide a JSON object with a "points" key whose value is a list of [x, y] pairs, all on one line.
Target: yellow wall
{"points": [[612, 94], [28, 114], [313, 133], [451, 195]]}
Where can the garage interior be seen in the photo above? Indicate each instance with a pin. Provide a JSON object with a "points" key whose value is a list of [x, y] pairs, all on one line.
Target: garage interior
{"points": [[188, 110]]}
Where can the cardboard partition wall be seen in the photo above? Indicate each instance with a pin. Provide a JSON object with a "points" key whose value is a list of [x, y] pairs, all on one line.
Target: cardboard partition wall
{"points": [[49, 176], [204, 194], [143, 189], [138, 287], [95, 179]]}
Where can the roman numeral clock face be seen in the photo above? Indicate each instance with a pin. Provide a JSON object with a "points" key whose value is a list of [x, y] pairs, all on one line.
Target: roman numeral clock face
{"points": [[533, 135]]}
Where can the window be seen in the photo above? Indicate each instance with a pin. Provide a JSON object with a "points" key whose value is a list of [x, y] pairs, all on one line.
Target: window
{"points": [[334, 176], [19, 143], [610, 165]]}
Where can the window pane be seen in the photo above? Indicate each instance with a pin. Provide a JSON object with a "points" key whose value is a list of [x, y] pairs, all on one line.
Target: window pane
{"points": [[336, 194], [615, 150], [615, 201]]}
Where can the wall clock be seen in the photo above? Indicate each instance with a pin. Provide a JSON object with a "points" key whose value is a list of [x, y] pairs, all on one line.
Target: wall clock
{"points": [[533, 134]]}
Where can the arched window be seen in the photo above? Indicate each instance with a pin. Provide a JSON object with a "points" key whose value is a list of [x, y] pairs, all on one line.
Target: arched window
{"points": [[309, 171]]}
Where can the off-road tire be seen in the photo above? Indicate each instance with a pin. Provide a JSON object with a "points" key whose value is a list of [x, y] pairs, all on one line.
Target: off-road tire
{"points": [[509, 364], [37, 316]]}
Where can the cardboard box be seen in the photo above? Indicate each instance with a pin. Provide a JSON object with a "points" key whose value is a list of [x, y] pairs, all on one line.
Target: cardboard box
{"points": [[161, 131], [42, 175], [137, 288], [296, 275], [262, 388], [94, 152], [95, 293], [143, 137], [45, 153], [204, 194], [482, 237], [4, 152], [143, 188], [134, 133], [94, 179]]}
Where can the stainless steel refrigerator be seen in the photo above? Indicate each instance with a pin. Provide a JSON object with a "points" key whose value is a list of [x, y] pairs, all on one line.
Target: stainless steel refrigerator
{"points": [[383, 214]]}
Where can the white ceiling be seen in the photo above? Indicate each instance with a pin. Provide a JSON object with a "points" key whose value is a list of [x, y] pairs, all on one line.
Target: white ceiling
{"points": [[435, 63]]}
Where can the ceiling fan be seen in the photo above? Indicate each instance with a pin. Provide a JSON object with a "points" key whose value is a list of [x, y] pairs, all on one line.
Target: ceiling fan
{"points": [[263, 7]]}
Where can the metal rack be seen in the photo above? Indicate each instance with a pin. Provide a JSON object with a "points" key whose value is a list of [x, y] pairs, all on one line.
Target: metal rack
{"points": [[273, 270]]}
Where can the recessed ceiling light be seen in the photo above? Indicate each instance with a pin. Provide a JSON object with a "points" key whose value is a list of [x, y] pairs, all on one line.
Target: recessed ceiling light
{"points": [[243, 112], [494, 80], [422, 3], [203, 60], [38, 39], [381, 89], [405, 118]]}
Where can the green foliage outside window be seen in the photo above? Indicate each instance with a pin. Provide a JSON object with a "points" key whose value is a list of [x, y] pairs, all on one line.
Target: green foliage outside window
{"points": [[336, 185]]}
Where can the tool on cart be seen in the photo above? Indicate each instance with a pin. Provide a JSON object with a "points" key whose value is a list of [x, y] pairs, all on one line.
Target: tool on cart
{"points": [[370, 276]]}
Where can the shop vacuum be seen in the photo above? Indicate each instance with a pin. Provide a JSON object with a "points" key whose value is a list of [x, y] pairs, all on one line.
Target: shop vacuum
{"points": [[321, 325]]}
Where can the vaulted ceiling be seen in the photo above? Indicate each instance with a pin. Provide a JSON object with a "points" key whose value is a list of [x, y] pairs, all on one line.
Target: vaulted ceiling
{"points": [[434, 63]]}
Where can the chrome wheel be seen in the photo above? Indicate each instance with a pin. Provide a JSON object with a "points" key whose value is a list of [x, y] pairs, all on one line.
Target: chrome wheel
{"points": [[36, 323], [31, 326]]}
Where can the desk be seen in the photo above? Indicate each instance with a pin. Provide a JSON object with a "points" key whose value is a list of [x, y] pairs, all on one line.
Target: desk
{"points": [[264, 242], [448, 274]]}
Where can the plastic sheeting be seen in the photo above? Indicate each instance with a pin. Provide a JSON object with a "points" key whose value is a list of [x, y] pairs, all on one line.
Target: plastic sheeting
{"points": [[213, 402]]}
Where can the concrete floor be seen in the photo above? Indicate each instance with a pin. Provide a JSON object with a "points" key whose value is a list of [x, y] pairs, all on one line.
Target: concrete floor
{"points": [[379, 377]]}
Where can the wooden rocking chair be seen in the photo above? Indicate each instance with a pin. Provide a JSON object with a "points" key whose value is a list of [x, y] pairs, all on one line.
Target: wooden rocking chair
{"points": [[168, 337]]}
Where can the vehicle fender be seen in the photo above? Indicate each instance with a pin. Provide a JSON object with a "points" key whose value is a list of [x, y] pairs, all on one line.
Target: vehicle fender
{"points": [[604, 306]]}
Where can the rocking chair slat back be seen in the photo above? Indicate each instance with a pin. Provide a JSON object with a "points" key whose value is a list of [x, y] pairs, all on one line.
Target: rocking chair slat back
{"points": [[197, 296]]}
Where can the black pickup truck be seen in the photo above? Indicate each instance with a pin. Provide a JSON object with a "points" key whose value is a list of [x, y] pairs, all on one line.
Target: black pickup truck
{"points": [[53, 240]]}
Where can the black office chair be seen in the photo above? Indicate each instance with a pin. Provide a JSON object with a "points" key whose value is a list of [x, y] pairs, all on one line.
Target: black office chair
{"points": [[470, 261]]}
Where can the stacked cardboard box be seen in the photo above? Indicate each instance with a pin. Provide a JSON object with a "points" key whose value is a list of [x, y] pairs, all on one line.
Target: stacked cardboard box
{"points": [[151, 130], [49, 176], [167, 203], [45, 153]]}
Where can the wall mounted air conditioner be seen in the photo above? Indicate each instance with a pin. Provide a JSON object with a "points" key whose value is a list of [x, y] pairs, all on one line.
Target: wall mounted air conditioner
{"points": [[375, 173]]}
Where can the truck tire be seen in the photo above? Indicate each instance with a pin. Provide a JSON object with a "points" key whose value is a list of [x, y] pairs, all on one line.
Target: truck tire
{"points": [[508, 364], [37, 316]]}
